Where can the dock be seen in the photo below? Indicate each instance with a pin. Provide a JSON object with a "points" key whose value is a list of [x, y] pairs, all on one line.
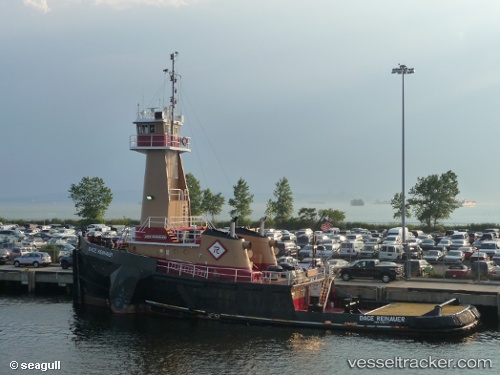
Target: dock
{"points": [[33, 279]]}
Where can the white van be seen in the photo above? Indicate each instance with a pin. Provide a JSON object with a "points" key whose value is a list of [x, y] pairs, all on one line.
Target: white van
{"points": [[350, 249], [390, 252], [98, 227], [398, 231]]}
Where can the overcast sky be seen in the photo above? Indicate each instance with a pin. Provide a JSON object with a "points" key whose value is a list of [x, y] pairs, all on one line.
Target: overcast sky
{"points": [[269, 89]]}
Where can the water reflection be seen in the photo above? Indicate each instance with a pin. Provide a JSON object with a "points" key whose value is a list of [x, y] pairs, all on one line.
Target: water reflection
{"points": [[94, 341]]}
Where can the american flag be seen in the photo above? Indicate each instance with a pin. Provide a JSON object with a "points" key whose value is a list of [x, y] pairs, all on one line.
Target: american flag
{"points": [[326, 225]]}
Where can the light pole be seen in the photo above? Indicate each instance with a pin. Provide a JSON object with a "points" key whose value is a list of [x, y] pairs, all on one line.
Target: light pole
{"points": [[403, 69]]}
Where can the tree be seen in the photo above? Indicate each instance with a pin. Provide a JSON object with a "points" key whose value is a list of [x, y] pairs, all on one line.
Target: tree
{"points": [[195, 194], [282, 207], [397, 204], [92, 198], [433, 198], [333, 216], [308, 216], [270, 210], [241, 201], [212, 204]]}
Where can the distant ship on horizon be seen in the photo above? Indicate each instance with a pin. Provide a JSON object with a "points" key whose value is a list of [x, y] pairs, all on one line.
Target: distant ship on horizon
{"points": [[357, 202], [466, 203]]}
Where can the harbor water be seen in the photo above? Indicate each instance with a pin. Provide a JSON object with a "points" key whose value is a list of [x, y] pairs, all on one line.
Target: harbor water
{"points": [[37, 330], [484, 212]]}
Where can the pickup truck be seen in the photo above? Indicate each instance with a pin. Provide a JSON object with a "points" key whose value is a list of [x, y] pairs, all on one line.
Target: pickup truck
{"points": [[371, 269]]}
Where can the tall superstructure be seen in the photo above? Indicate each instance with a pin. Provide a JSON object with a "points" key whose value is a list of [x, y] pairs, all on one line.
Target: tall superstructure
{"points": [[165, 194]]}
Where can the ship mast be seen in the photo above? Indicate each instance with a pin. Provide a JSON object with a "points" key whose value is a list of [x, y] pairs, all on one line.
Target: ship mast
{"points": [[173, 101]]}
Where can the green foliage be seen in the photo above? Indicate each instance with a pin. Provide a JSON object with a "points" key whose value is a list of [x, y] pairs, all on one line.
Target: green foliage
{"points": [[433, 198], [52, 250], [308, 217], [241, 202], [195, 195], [282, 208], [92, 198], [270, 210], [212, 204], [333, 216], [397, 205]]}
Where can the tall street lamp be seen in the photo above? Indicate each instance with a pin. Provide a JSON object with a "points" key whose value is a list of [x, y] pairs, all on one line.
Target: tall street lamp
{"points": [[403, 69]]}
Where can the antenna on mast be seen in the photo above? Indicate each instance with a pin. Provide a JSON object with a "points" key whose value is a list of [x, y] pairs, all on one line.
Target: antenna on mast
{"points": [[173, 101]]}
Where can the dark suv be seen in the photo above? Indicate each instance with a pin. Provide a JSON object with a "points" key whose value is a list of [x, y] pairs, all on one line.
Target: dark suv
{"points": [[66, 261]]}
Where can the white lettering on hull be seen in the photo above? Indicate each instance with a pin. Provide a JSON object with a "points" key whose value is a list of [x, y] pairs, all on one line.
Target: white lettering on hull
{"points": [[380, 319], [95, 250]]}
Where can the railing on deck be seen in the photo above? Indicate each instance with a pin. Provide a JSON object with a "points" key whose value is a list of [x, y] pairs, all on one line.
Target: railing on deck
{"points": [[159, 141], [235, 274], [185, 230]]}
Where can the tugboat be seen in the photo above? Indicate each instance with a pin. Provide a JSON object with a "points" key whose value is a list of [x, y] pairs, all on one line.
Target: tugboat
{"points": [[182, 266]]}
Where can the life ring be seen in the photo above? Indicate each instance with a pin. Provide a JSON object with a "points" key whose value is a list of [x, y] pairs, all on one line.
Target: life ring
{"points": [[184, 141]]}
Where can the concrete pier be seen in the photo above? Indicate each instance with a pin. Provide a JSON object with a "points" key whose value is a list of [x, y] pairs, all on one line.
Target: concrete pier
{"points": [[35, 277]]}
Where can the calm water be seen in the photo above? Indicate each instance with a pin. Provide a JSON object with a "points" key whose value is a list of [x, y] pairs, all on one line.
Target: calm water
{"points": [[48, 329], [484, 212]]}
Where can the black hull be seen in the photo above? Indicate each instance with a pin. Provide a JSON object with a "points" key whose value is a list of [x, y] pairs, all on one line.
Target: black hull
{"points": [[129, 283]]}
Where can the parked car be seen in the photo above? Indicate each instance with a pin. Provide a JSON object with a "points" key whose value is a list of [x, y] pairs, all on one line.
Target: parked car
{"points": [[496, 258], [350, 250], [489, 247], [444, 243], [414, 250], [458, 271], [20, 251], [337, 264], [419, 267], [468, 251], [433, 256], [479, 256], [482, 268], [496, 274], [305, 252], [287, 259], [454, 256], [427, 244], [287, 248], [391, 252], [310, 263], [369, 251], [5, 256], [66, 261], [457, 243], [287, 235], [392, 239], [35, 259], [37, 242]]}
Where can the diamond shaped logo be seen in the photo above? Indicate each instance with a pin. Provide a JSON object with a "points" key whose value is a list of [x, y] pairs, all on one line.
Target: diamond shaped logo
{"points": [[217, 250]]}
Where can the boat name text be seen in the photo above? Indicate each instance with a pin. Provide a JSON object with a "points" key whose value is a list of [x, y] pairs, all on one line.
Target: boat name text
{"points": [[154, 236], [95, 250], [381, 319]]}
